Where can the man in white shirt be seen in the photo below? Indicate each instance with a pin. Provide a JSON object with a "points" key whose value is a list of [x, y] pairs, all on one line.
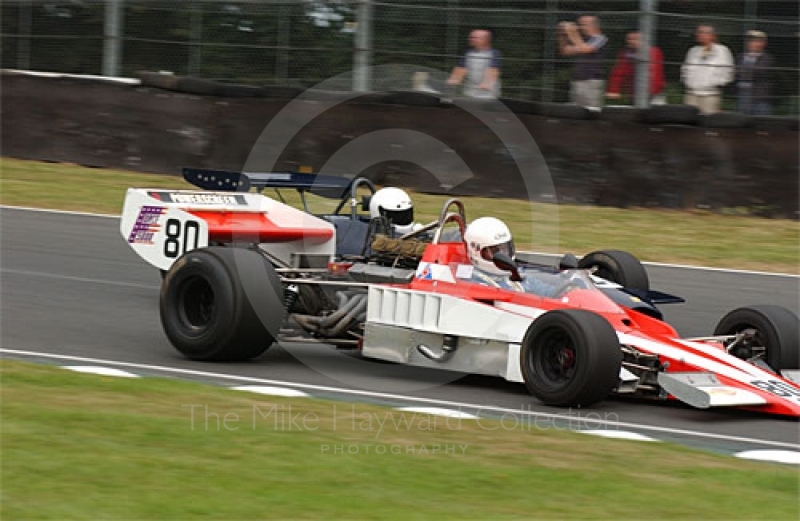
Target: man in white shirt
{"points": [[707, 68]]}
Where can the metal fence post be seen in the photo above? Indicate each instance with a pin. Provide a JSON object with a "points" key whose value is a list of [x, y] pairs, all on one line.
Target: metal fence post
{"points": [[282, 54], [24, 49], [112, 37], [362, 55], [548, 71], [196, 32], [647, 25], [452, 33]]}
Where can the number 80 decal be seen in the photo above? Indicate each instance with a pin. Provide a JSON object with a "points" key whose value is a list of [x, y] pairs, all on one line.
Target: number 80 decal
{"points": [[180, 239], [777, 388]]}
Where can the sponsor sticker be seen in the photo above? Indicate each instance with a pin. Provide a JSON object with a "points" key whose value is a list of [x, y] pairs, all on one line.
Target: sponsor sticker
{"points": [[424, 271], [200, 198], [429, 271], [146, 225], [204, 199]]}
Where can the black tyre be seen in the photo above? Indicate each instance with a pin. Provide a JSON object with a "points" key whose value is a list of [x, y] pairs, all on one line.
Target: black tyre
{"points": [[776, 334], [221, 304], [570, 358], [617, 266]]}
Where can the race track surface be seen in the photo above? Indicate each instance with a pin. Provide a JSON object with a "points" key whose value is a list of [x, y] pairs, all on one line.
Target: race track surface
{"points": [[72, 287]]}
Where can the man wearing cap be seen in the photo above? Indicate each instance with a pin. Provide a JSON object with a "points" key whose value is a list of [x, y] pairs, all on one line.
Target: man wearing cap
{"points": [[753, 71], [707, 68]]}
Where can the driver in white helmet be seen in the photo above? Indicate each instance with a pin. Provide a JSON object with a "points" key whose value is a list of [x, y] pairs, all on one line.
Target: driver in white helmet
{"points": [[395, 205], [485, 237]]}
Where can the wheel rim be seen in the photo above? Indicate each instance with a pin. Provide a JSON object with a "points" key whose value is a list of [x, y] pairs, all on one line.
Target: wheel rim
{"points": [[554, 358], [197, 303], [750, 347]]}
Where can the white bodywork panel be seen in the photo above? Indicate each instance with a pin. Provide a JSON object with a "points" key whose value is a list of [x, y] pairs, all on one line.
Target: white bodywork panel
{"points": [[443, 314], [704, 390], [144, 224], [399, 320], [144, 227]]}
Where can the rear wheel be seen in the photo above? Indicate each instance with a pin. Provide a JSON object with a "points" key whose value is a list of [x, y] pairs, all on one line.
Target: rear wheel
{"points": [[221, 304], [617, 266], [767, 331], [570, 357]]}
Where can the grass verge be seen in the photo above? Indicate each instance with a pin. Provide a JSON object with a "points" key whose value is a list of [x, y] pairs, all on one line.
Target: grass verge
{"points": [[691, 237], [83, 446]]}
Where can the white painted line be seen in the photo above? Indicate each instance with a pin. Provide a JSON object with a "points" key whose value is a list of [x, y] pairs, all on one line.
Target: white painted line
{"points": [[618, 435], [777, 456], [271, 391], [413, 399], [544, 254], [77, 279], [42, 74], [438, 411], [64, 212], [682, 266], [104, 371]]}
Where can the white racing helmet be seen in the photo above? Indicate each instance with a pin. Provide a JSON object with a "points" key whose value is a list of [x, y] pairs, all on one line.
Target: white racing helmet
{"points": [[485, 237], [394, 204]]}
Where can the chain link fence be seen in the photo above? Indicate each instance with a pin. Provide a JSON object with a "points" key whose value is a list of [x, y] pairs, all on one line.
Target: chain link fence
{"points": [[300, 43]]}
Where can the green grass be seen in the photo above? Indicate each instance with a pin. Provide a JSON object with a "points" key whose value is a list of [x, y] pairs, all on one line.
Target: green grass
{"points": [[692, 237], [87, 447]]}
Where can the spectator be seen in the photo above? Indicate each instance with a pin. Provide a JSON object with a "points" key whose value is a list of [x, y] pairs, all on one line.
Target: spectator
{"points": [[707, 68], [753, 72], [623, 74], [480, 66], [588, 84]]}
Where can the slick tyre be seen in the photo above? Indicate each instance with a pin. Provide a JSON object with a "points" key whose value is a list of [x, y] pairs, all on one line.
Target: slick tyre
{"points": [[570, 358], [617, 266], [777, 330], [221, 304]]}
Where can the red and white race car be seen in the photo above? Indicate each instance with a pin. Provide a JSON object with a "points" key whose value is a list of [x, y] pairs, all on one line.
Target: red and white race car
{"points": [[244, 271]]}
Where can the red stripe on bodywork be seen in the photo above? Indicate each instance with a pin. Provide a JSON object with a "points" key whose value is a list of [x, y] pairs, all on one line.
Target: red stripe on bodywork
{"points": [[257, 227]]}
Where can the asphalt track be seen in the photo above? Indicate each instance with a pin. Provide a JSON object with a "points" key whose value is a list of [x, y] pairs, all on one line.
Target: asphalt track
{"points": [[73, 290]]}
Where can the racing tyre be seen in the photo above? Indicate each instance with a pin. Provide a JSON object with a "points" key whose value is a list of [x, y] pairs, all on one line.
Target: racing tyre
{"points": [[221, 304], [777, 330], [617, 266], [570, 358]]}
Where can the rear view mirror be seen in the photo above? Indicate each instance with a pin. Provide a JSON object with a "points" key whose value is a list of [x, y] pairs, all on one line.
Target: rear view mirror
{"points": [[506, 263], [568, 262]]}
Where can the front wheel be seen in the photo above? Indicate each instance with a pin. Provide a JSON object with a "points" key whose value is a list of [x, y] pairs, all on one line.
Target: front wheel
{"points": [[221, 304], [764, 331], [570, 357], [617, 266]]}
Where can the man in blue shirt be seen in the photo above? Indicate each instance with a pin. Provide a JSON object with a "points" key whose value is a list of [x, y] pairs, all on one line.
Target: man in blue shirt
{"points": [[479, 67]]}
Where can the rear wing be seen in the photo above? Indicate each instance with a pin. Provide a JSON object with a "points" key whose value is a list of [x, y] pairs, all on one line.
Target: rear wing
{"points": [[322, 185], [328, 186]]}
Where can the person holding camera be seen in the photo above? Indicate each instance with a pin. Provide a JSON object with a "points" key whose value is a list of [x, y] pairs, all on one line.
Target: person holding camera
{"points": [[588, 85]]}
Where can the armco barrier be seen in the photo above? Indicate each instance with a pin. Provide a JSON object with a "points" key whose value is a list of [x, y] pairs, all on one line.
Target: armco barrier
{"points": [[620, 158]]}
